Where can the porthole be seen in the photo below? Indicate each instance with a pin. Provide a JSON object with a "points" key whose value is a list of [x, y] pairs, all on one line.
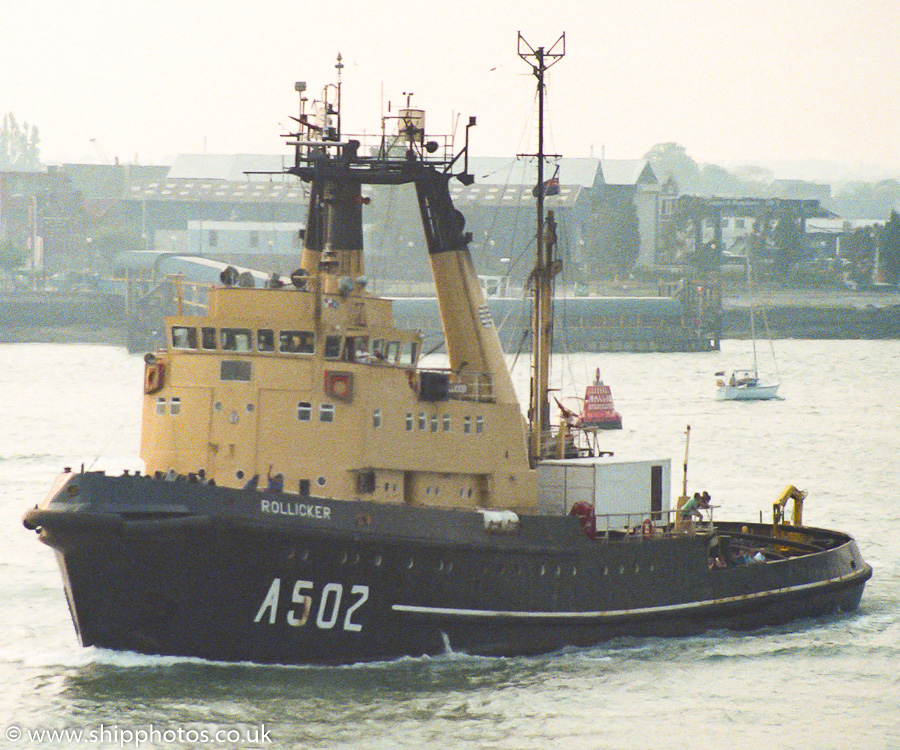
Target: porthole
{"points": [[542, 571], [239, 474], [343, 559], [450, 567], [320, 481], [218, 406], [304, 555], [605, 570], [622, 569], [250, 408], [652, 567], [574, 570], [409, 564], [637, 567], [558, 571], [376, 561], [355, 560], [440, 566]]}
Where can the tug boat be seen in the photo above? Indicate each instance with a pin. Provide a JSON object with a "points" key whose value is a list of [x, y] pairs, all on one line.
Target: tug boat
{"points": [[315, 494]]}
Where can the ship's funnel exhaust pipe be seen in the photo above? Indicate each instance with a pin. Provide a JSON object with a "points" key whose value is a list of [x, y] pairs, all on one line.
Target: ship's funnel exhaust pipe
{"points": [[334, 235]]}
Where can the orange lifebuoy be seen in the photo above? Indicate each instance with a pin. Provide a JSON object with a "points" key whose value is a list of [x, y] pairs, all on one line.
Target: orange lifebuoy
{"points": [[154, 377], [339, 385], [647, 528]]}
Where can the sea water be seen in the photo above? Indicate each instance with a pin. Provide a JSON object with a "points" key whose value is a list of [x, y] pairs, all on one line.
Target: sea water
{"points": [[831, 682]]}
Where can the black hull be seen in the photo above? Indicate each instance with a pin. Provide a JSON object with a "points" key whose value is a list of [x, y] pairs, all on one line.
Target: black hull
{"points": [[190, 570]]}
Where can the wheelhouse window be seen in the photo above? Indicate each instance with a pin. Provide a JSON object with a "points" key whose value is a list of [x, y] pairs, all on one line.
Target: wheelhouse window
{"points": [[175, 406], [265, 340], [236, 339], [422, 420], [297, 342], [409, 421], [446, 423], [356, 349], [479, 424], [184, 337], [208, 337], [160, 406], [326, 413], [376, 418], [467, 424], [304, 411], [392, 352]]}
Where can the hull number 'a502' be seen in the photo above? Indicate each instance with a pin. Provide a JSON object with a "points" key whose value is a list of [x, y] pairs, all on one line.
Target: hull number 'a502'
{"points": [[302, 601]]}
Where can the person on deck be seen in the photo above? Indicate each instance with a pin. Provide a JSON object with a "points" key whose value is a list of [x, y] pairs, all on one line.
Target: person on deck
{"points": [[276, 482], [693, 506]]}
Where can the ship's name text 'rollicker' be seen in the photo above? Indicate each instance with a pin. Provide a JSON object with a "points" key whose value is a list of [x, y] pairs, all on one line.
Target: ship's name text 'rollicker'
{"points": [[283, 508]]}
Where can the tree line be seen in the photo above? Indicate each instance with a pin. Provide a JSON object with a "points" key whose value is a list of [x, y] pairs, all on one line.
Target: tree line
{"points": [[19, 149]]}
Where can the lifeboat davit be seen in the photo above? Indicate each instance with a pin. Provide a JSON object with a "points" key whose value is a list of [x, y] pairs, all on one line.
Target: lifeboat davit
{"points": [[598, 411]]}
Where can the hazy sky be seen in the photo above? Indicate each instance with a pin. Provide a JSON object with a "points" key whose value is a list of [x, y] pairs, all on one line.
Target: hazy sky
{"points": [[749, 81]]}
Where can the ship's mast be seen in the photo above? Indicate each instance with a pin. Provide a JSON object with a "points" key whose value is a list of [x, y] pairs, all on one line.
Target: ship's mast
{"points": [[545, 267]]}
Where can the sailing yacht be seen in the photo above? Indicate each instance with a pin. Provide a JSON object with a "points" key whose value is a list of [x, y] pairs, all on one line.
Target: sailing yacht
{"points": [[745, 384]]}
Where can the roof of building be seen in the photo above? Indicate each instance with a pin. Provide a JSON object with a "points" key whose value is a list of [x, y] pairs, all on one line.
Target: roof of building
{"points": [[627, 172], [108, 181], [585, 173], [212, 190], [511, 195]]}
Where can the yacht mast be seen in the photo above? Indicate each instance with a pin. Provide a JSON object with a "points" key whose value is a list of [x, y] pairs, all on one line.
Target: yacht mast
{"points": [[752, 314], [545, 267]]}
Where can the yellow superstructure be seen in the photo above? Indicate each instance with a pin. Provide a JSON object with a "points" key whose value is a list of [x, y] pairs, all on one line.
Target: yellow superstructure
{"points": [[323, 389]]}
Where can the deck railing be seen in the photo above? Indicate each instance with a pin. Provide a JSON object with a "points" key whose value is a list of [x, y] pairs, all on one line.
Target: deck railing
{"points": [[644, 525]]}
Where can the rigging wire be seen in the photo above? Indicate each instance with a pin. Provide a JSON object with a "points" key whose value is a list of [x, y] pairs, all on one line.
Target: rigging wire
{"points": [[771, 343]]}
